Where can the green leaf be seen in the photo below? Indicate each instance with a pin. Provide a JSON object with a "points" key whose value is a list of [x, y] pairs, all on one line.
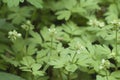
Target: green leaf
{"points": [[70, 27], [35, 69], [5, 25], [36, 38], [10, 60], [112, 13], [85, 7], [38, 73], [57, 63], [100, 78], [70, 4], [19, 46], [116, 74], [64, 14], [36, 66], [41, 56], [84, 58], [89, 4], [102, 51], [36, 3], [13, 3], [104, 78], [19, 15], [31, 49], [112, 78], [27, 61], [71, 67], [62, 4], [8, 76]]}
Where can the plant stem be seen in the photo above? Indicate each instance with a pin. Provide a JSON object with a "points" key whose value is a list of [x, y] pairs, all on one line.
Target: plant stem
{"points": [[68, 76], [106, 75], [116, 41], [51, 47], [49, 54], [61, 78], [26, 34], [32, 76]]}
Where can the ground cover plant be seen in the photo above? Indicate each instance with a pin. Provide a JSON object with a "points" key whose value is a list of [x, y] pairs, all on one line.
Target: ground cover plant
{"points": [[59, 40]]}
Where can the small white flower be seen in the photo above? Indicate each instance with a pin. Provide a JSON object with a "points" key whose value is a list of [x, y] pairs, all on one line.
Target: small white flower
{"points": [[18, 35], [52, 30], [101, 24], [112, 54], [115, 22], [104, 64], [28, 22], [103, 61], [101, 67], [93, 22], [96, 23], [13, 35], [78, 46]]}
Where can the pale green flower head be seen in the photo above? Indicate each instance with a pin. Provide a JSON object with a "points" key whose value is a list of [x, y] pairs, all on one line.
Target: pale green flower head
{"points": [[27, 26], [52, 30], [104, 64], [94, 22], [115, 22], [13, 35], [112, 55]]}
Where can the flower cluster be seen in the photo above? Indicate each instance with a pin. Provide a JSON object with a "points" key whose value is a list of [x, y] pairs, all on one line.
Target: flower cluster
{"points": [[13, 35], [104, 64], [112, 55], [115, 22], [52, 30], [79, 46], [27, 26], [96, 23]]}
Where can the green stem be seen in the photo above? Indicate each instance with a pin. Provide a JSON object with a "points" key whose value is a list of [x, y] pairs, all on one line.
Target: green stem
{"points": [[61, 78], [49, 54], [106, 75], [24, 47], [116, 41], [68, 76], [32, 76], [51, 47], [26, 34]]}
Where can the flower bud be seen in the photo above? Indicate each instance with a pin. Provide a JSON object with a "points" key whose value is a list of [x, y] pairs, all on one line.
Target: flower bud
{"points": [[27, 26]]}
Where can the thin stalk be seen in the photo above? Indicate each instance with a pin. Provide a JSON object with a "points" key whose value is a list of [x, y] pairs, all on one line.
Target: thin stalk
{"points": [[32, 76], [49, 54], [26, 34], [116, 48], [51, 47], [24, 47], [116, 41], [106, 75], [23, 50], [61, 78], [68, 76]]}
